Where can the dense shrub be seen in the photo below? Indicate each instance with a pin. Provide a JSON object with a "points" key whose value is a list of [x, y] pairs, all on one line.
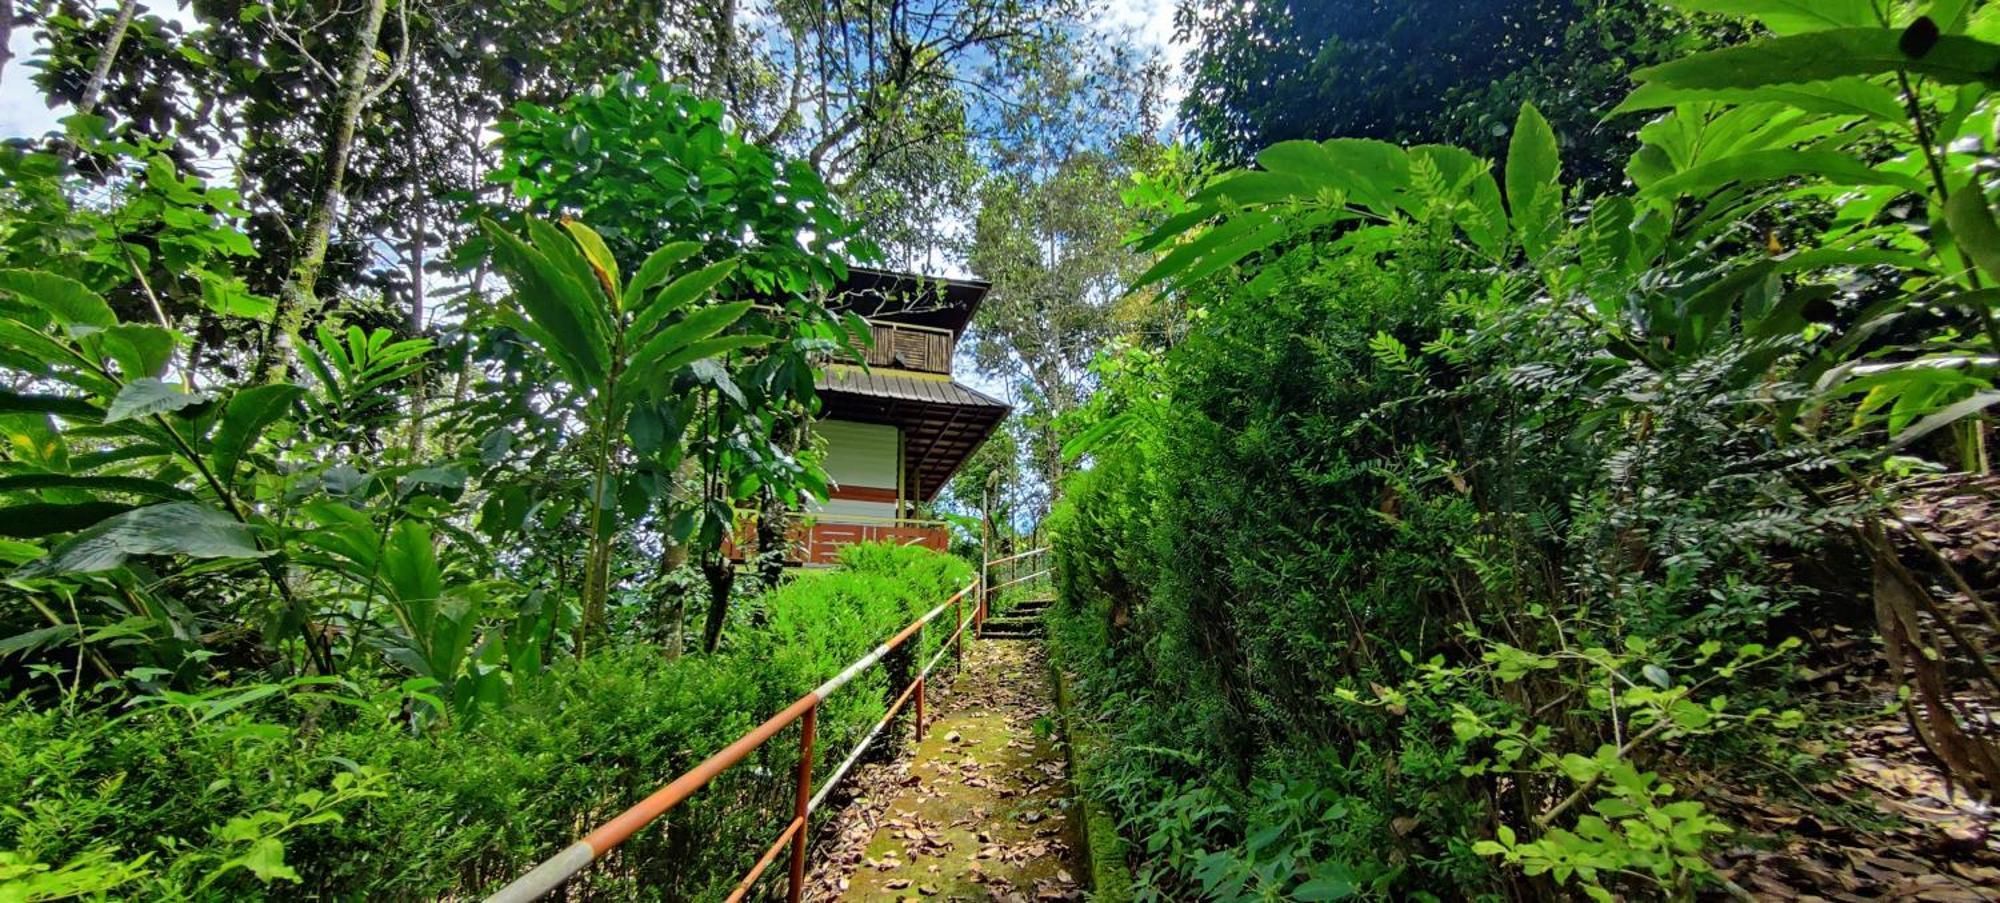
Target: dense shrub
{"points": [[456, 811], [1461, 516]]}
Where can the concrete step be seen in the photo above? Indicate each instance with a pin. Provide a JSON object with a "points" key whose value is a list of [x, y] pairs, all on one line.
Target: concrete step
{"points": [[1012, 628], [990, 635]]}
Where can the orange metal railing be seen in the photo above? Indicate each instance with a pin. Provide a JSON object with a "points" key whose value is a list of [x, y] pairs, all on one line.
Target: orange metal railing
{"points": [[576, 857], [1032, 560]]}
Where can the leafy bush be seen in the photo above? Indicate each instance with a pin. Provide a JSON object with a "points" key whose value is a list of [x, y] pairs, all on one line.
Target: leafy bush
{"points": [[249, 791], [1466, 509]]}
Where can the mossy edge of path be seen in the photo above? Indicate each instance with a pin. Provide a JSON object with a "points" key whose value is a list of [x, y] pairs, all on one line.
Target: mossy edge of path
{"points": [[1109, 876]]}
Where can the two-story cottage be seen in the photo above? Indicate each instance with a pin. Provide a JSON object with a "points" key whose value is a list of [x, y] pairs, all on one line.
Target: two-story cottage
{"points": [[898, 428]]}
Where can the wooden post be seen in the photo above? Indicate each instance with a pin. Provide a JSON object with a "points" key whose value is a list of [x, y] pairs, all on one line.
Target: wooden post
{"points": [[920, 708]]}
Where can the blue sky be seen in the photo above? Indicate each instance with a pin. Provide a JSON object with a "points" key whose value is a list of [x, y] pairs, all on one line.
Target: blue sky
{"points": [[22, 111]]}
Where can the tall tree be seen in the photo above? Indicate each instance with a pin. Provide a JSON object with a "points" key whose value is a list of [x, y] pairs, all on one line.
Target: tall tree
{"points": [[1413, 71], [438, 77], [354, 90], [1051, 235]]}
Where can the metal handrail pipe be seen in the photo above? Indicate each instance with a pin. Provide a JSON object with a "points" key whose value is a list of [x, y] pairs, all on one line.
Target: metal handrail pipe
{"points": [[1000, 586], [552, 872], [1021, 555], [861, 748], [770, 856]]}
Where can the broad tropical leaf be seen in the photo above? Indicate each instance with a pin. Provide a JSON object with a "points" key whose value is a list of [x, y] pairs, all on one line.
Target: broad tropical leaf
{"points": [[1973, 229], [69, 301], [1534, 188], [174, 528], [602, 264], [140, 350], [32, 519], [654, 377], [551, 300], [701, 324], [1790, 16], [92, 483], [657, 266], [149, 396], [678, 294], [1823, 56], [1781, 163], [244, 419], [1838, 97]]}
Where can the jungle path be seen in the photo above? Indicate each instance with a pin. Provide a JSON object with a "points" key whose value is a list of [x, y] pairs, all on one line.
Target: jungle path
{"points": [[978, 811]]}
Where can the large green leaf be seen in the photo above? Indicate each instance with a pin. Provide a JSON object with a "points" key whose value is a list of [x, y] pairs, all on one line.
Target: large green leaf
{"points": [[1944, 417], [140, 350], [1825, 55], [244, 419], [1202, 245], [174, 528], [1243, 246], [679, 293], [602, 264], [1534, 189], [1371, 171], [149, 396], [550, 299], [1249, 189], [1468, 179], [650, 361], [133, 485], [59, 405], [1768, 165], [1973, 229], [656, 374], [409, 563], [1790, 16], [29, 350], [593, 302], [1838, 97], [33, 519], [658, 264], [1949, 14], [69, 301], [1368, 173]]}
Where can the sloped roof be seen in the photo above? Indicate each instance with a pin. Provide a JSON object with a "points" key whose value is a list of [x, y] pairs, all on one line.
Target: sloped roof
{"points": [[933, 301], [879, 383], [943, 421]]}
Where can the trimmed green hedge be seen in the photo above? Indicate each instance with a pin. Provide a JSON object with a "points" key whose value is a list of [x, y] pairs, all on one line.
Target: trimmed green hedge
{"points": [[183, 800]]}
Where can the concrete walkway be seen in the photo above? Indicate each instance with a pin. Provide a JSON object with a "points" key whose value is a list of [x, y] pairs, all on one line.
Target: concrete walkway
{"points": [[979, 811]]}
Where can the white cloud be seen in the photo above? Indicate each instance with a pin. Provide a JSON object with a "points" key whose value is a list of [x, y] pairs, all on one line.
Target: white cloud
{"points": [[1151, 23], [23, 113]]}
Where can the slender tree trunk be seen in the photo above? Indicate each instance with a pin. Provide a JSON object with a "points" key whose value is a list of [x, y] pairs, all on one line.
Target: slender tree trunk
{"points": [[414, 261], [419, 231], [93, 90], [724, 36], [297, 299], [6, 33], [773, 518], [721, 580]]}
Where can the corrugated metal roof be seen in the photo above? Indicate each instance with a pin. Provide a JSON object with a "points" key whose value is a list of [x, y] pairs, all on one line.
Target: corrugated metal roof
{"points": [[880, 384]]}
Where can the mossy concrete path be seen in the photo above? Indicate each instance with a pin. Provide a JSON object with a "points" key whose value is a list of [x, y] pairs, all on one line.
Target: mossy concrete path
{"points": [[978, 811]]}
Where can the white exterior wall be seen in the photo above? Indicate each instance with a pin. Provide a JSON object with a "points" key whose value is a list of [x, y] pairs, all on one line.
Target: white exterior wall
{"points": [[860, 455]]}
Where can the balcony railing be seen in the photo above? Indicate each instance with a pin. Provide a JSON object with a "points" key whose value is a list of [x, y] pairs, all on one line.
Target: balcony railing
{"points": [[815, 540], [901, 345]]}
